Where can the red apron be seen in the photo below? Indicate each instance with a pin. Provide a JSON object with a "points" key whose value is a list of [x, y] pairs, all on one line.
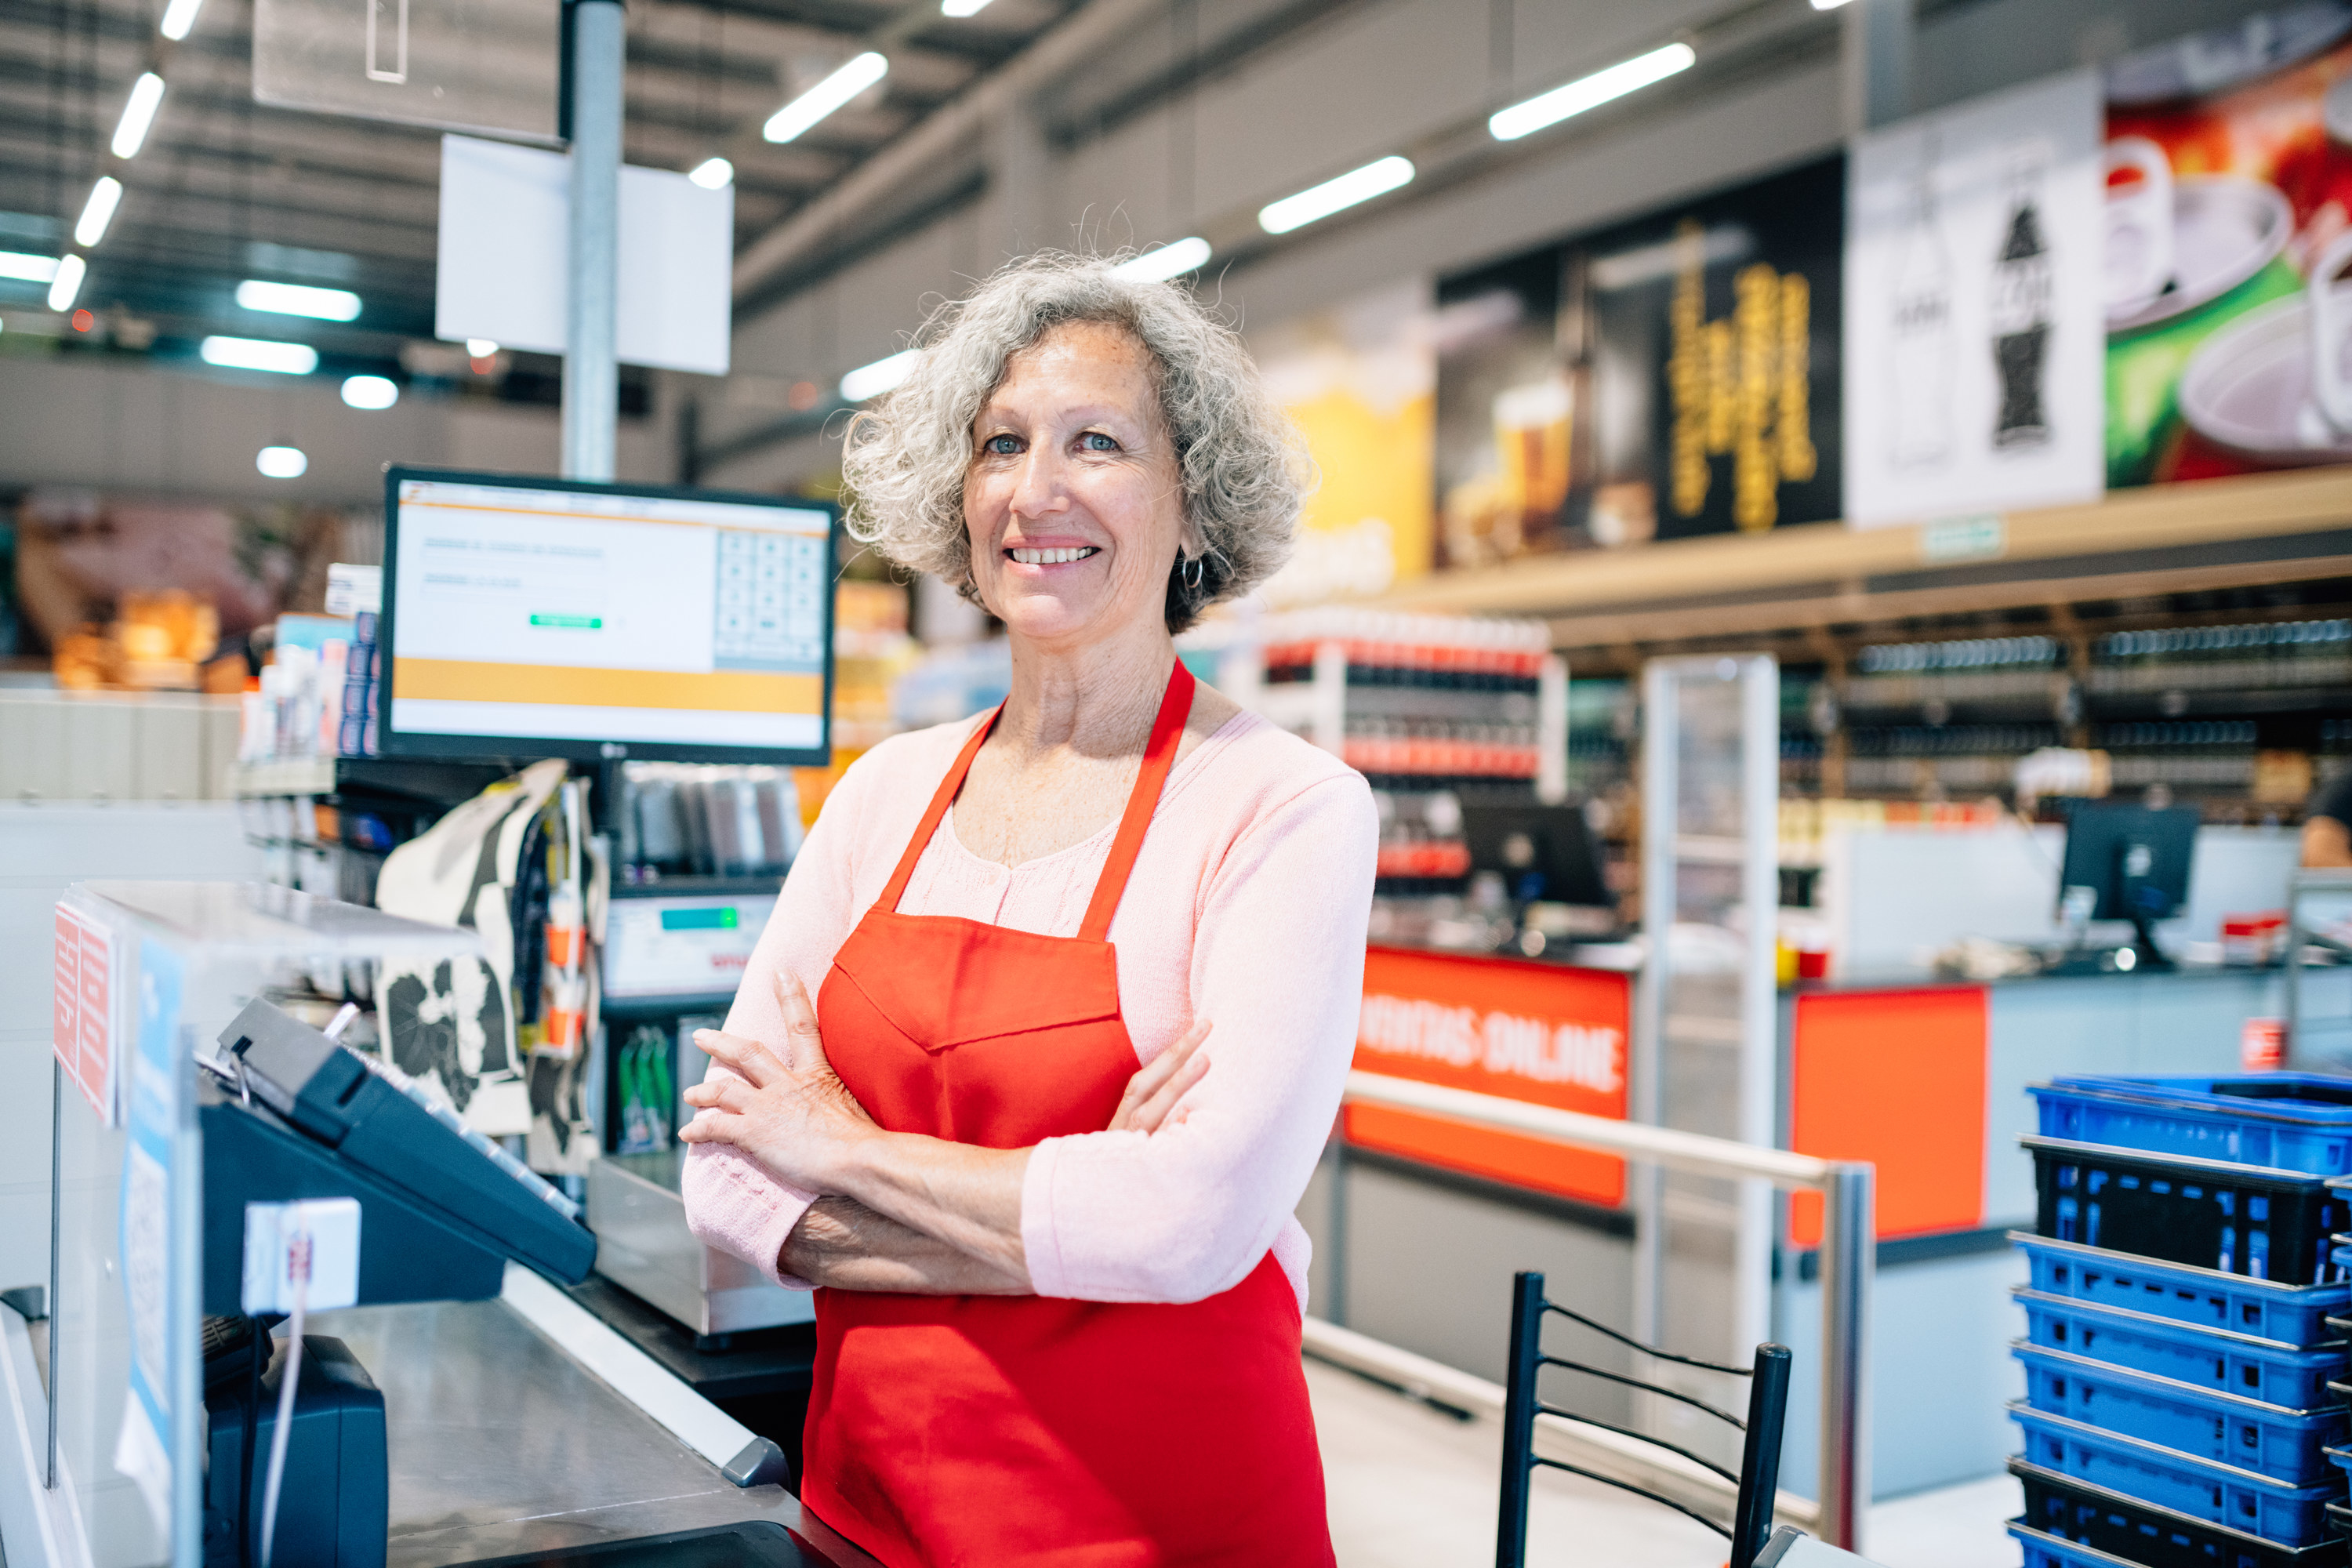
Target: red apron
{"points": [[996, 1430]]}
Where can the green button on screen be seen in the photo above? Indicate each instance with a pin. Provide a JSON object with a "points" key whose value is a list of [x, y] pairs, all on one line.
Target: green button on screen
{"points": [[569, 623], [724, 918]]}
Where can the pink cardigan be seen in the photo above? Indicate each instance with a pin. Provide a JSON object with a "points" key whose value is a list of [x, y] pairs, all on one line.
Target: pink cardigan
{"points": [[1247, 905]]}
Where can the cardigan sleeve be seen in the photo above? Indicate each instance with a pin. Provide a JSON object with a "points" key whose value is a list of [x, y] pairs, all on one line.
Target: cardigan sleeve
{"points": [[733, 1202], [1278, 968]]}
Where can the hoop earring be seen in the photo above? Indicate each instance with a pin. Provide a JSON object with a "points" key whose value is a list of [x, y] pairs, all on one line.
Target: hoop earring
{"points": [[1191, 571]]}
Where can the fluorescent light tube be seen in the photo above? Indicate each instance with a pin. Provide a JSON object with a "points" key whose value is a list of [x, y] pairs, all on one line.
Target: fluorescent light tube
{"points": [[874, 380], [371, 391], [1589, 92], [67, 282], [179, 16], [27, 269], [1321, 200], [962, 7], [298, 300], [712, 174], [98, 212], [259, 353], [1168, 261], [137, 114], [282, 462], [862, 72]]}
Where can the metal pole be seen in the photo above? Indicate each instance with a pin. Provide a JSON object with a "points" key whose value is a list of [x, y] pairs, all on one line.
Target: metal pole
{"points": [[1659, 824], [1759, 996], [1338, 1223], [56, 1229], [1519, 1419], [592, 384], [1848, 1264]]}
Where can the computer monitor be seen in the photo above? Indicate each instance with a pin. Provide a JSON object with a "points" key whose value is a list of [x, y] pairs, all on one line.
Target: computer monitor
{"points": [[2135, 861], [1543, 853], [536, 618]]}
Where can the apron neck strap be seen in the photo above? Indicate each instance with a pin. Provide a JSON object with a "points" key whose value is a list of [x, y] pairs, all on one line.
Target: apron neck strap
{"points": [[1158, 755]]}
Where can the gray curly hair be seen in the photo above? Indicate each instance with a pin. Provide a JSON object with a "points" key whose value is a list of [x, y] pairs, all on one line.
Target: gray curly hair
{"points": [[1243, 467]]}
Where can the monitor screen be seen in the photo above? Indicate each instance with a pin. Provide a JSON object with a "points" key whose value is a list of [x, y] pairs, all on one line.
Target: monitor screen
{"points": [[541, 617]]}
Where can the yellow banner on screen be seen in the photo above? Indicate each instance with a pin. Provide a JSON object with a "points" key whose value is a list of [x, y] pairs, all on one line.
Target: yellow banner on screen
{"points": [[580, 685]]}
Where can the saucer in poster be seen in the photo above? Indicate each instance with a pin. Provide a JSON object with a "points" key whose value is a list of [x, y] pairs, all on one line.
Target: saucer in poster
{"points": [[2226, 228], [2248, 389]]}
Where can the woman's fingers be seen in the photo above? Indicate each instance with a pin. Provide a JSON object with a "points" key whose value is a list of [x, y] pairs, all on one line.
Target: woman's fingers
{"points": [[804, 1042], [755, 1062], [1151, 1080], [1152, 1114], [727, 1094]]}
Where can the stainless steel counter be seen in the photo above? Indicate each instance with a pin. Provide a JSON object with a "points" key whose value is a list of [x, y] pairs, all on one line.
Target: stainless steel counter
{"points": [[501, 1443]]}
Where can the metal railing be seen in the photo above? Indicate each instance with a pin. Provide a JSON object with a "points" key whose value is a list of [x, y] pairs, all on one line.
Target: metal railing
{"points": [[1848, 1264]]}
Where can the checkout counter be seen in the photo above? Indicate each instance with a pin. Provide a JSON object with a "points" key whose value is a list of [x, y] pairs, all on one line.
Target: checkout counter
{"points": [[467, 1390]]}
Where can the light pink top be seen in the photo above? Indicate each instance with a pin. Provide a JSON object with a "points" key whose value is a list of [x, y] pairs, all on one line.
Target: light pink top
{"points": [[1247, 905]]}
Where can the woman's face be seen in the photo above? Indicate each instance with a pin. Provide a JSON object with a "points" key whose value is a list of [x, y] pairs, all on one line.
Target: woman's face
{"points": [[1072, 498]]}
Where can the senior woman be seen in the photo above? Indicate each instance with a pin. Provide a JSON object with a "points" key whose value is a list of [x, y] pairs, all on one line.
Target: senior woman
{"points": [[1086, 974]]}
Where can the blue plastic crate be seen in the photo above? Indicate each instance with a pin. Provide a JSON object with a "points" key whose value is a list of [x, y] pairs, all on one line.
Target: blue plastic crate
{"points": [[2080, 1516], [2269, 1439], [2212, 1359], [2043, 1550], [2258, 1504], [2287, 1122], [2184, 1293], [2252, 1220]]}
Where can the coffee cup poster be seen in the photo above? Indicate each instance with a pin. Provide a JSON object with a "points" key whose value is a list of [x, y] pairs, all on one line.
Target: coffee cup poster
{"points": [[2228, 214], [1672, 376], [1974, 346]]}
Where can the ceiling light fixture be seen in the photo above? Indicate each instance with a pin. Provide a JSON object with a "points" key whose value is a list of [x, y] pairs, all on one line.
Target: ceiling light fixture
{"points": [[962, 7], [712, 174], [1171, 261], [259, 353], [1376, 178], [179, 16], [137, 114], [27, 268], [68, 281], [480, 348], [371, 392], [98, 212], [1827, 4], [874, 380], [861, 72], [298, 300], [282, 462], [1591, 91]]}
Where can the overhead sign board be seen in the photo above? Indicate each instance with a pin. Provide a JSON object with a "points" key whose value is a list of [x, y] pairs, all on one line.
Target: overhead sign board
{"points": [[486, 66]]}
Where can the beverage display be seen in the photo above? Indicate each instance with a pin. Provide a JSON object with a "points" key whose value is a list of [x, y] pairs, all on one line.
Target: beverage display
{"points": [[2021, 313]]}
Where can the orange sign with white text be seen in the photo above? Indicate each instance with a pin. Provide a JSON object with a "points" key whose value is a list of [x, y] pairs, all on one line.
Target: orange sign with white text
{"points": [[1541, 1033]]}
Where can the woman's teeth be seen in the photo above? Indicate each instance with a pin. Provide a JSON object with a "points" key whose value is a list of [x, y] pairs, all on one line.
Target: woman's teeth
{"points": [[1050, 557]]}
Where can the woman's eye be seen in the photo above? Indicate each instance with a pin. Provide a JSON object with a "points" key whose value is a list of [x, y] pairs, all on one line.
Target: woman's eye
{"points": [[1002, 446], [1096, 441]]}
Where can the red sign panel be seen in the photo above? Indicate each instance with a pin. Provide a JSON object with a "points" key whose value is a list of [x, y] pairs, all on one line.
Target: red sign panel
{"points": [[1541, 1033], [81, 1029]]}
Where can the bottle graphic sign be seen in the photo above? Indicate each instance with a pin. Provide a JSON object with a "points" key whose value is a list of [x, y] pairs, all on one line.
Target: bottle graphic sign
{"points": [[2021, 307], [1920, 345]]}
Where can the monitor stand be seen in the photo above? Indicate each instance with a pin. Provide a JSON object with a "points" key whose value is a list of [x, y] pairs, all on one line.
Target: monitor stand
{"points": [[2138, 956]]}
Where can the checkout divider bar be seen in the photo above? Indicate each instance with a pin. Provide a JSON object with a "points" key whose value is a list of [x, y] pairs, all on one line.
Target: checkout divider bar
{"points": [[743, 1456], [1848, 1266]]}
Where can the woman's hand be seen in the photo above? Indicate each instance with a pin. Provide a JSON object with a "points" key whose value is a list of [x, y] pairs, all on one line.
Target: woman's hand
{"points": [[787, 1108], [1154, 1090]]}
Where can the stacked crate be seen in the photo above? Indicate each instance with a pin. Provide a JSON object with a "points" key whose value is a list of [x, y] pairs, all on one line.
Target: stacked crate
{"points": [[2185, 1352]]}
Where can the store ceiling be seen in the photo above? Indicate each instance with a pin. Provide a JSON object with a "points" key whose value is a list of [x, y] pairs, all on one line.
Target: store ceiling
{"points": [[225, 189]]}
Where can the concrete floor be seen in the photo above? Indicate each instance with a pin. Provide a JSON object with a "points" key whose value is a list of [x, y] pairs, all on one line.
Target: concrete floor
{"points": [[1411, 1488]]}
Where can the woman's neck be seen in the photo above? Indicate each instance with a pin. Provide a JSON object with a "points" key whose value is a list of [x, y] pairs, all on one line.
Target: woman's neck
{"points": [[1097, 701]]}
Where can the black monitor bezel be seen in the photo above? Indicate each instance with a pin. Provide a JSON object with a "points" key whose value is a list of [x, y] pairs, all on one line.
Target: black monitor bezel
{"points": [[391, 742], [2095, 825], [1493, 810]]}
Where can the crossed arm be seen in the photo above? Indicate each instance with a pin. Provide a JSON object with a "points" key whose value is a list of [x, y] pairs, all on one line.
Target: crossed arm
{"points": [[902, 1212]]}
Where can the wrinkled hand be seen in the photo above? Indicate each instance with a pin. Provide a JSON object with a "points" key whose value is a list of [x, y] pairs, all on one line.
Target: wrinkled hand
{"points": [[1154, 1090], [785, 1107]]}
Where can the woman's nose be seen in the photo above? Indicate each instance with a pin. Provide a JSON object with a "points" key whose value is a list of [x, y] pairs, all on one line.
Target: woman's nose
{"points": [[1037, 483]]}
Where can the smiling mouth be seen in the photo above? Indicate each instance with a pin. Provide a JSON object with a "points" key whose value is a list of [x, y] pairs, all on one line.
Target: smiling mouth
{"points": [[1027, 557]]}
